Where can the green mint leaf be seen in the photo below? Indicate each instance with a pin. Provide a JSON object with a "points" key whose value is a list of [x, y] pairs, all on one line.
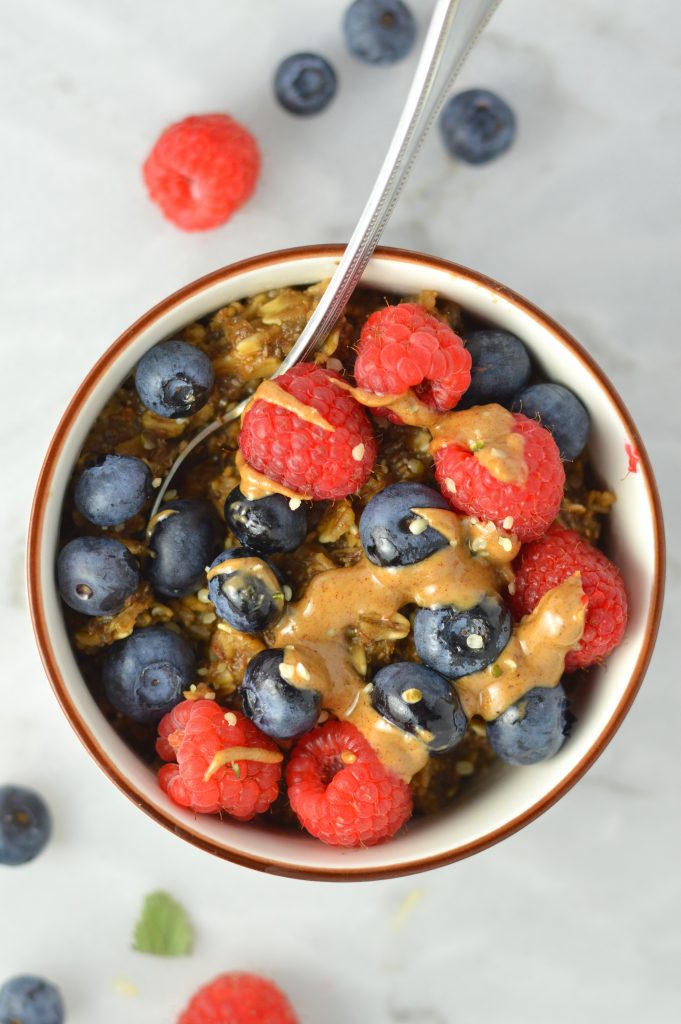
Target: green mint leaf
{"points": [[163, 927]]}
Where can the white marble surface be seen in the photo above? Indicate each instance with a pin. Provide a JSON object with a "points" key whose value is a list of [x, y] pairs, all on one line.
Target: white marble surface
{"points": [[574, 918]]}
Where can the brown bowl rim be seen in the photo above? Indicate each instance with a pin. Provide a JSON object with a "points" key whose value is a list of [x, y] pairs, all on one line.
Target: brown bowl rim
{"points": [[61, 689]]}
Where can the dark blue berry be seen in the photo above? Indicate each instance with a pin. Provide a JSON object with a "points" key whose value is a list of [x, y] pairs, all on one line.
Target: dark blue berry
{"points": [[421, 702], [25, 825], [174, 379], [533, 728], [280, 709], [500, 367], [457, 642], [246, 590], [384, 527], [30, 1000], [305, 83], [145, 674], [268, 525], [477, 125], [113, 490], [379, 31], [183, 539], [560, 411], [96, 575]]}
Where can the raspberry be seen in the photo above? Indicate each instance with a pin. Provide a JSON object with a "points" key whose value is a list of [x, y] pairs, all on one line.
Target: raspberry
{"points": [[470, 487], [403, 347], [341, 792], [300, 455], [199, 735], [239, 999], [201, 170], [550, 560]]}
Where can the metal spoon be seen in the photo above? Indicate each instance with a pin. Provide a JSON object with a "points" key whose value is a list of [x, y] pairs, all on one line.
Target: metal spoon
{"points": [[452, 33]]}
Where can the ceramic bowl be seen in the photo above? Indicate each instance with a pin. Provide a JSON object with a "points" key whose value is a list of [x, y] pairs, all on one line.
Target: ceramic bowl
{"points": [[507, 798]]}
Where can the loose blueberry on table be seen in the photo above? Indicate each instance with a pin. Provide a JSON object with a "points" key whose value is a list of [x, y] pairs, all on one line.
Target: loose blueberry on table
{"points": [[360, 595]]}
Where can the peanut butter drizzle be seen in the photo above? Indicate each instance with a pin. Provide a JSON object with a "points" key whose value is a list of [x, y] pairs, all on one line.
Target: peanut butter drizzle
{"points": [[255, 485], [534, 656], [269, 391], [165, 513]]}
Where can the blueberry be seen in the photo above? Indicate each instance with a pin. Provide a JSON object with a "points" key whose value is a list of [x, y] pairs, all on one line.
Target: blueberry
{"points": [[113, 490], [457, 642], [96, 575], [25, 825], [174, 379], [266, 524], [533, 728], [30, 1000], [280, 709], [560, 411], [249, 598], [421, 702], [477, 125], [391, 533], [145, 674], [501, 366], [183, 539], [305, 83], [379, 31]]}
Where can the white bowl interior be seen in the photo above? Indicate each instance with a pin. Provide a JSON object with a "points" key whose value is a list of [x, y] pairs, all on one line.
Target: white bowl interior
{"points": [[507, 793]]}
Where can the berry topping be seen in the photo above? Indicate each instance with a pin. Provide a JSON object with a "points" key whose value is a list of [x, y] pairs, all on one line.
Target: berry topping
{"points": [[268, 524], [558, 410], [246, 589], [305, 83], [316, 461], [96, 575], [279, 708], [421, 702], [477, 125], [174, 379], [533, 728], [379, 31], [182, 539], [224, 762], [113, 490], [403, 347], [202, 170], [30, 1000], [25, 825], [458, 642], [145, 674], [392, 533], [501, 367], [533, 504], [550, 560], [239, 999], [341, 792]]}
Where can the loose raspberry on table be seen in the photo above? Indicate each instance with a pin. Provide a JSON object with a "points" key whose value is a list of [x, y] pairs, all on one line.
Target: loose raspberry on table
{"points": [[302, 456], [470, 487], [239, 998], [214, 772], [550, 560], [403, 347], [201, 170], [341, 792]]}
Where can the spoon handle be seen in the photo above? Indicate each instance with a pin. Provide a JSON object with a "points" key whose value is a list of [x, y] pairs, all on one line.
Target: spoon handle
{"points": [[454, 28]]}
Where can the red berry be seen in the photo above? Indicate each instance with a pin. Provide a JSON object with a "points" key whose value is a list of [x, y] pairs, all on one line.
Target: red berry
{"points": [[550, 560], [341, 792], [403, 347], [305, 457], [239, 999], [197, 734], [469, 487], [201, 170]]}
